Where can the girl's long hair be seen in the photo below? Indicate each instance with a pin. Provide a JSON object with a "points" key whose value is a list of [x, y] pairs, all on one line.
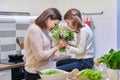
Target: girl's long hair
{"points": [[76, 17]]}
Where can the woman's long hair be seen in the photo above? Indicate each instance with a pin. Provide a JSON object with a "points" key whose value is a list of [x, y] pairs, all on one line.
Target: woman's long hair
{"points": [[41, 20], [76, 17]]}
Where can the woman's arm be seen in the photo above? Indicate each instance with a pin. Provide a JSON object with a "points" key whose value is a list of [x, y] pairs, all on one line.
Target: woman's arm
{"points": [[36, 40]]}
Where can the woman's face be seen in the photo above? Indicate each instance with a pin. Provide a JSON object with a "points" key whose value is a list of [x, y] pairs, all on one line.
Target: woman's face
{"points": [[69, 23], [51, 23]]}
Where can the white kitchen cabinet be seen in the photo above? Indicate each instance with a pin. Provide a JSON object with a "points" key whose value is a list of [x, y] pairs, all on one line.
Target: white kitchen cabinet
{"points": [[5, 74]]}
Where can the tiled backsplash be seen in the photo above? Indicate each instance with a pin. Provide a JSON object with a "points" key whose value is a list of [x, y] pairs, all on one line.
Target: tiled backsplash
{"points": [[10, 29]]}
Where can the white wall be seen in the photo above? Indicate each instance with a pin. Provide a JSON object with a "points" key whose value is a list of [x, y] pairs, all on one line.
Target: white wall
{"points": [[105, 25], [35, 7]]}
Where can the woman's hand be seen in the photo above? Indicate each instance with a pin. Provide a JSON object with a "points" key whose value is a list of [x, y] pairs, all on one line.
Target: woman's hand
{"points": [[61, 43], [65, 43]]}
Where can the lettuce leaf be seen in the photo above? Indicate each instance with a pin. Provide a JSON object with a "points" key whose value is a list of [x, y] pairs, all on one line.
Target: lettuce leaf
{"points": [[90, 74], [111, 59]]}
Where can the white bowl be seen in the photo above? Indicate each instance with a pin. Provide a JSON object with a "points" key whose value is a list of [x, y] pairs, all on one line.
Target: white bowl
{"points": [[60, 76]]}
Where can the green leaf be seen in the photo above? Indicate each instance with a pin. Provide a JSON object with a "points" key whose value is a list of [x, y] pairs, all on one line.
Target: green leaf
{"points": [[90, 74], [112, 59]]}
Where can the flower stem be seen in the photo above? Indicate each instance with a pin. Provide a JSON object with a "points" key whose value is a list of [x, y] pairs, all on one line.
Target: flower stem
{"points": [[62, 49]]}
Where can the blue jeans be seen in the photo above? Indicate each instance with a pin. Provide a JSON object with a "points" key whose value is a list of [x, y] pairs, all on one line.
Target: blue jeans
{"points": [[70, 64]]}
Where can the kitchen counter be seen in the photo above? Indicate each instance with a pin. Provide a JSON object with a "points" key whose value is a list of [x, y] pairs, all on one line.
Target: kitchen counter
{"points": [[21, 64], [9, 66]]}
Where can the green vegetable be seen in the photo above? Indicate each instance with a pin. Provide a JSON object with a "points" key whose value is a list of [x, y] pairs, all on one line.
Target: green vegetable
{"points": [[62, 32], [112, 59], [90, 74], [50, 72]]}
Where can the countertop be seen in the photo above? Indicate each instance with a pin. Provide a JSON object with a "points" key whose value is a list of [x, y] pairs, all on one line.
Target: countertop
{"points": [[20, 64], [9, 66]]}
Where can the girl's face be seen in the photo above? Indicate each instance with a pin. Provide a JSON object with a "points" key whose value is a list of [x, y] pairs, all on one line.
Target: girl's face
{"points": [[69, 23], [51, 23]]}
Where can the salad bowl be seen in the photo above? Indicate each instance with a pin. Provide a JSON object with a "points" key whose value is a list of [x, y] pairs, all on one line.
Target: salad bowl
{"points": [[53, 74]]}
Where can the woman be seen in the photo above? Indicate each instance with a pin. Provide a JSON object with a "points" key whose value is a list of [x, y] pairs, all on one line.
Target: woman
{"points": [[84, 43], [38, 49]]}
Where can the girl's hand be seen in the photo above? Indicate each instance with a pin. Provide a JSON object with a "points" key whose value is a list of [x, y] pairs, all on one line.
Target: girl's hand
{"points": [[61, 43], [67, 44]]}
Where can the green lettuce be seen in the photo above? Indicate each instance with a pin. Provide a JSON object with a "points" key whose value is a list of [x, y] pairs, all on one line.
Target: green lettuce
{"points": [[90, 74], [111, 59], [50, 72]]}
